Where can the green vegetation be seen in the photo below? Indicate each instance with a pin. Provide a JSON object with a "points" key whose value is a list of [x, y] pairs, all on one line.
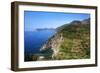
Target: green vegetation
{"points": [[76, 42], [72, 41]]}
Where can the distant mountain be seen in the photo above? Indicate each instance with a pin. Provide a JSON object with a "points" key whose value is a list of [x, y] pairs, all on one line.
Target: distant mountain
{"points": [[72, 41], [75, 22], [40, 29], [86, 21]]}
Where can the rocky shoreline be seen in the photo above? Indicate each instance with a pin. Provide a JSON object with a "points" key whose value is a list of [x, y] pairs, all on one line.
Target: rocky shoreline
{"points": [[71, 42]]}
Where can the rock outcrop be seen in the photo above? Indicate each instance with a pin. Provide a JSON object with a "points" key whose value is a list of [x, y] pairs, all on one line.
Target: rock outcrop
{"points": [[54, 44], [72, 41]]}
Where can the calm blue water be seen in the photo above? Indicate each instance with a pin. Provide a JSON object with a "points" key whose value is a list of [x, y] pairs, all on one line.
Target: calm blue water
{"points": [[33, 40]]}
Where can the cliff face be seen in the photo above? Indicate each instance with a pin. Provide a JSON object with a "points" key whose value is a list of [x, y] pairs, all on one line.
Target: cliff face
{"points": [[53, 43], [72, 41]]}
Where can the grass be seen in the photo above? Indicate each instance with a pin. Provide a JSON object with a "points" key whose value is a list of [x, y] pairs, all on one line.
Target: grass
{"points": [[76, 43]]}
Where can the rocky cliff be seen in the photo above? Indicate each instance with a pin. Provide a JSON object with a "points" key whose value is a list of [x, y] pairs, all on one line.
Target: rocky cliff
{"points": [[72, 41]]}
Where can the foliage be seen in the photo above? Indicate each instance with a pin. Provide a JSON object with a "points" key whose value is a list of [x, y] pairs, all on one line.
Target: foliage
{"points": [[76, 43]]}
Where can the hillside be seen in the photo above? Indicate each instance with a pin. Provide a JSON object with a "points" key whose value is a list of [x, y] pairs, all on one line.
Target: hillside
{"points": [[72, 41]]}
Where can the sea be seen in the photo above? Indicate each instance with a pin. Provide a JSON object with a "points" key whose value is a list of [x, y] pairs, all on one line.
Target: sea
{"points": [[34, 40]]}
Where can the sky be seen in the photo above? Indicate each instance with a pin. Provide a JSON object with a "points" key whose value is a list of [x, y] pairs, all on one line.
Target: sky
{"points": [[39, 19]]}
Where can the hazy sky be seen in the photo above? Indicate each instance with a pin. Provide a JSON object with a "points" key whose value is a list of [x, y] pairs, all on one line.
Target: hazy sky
{"points": [[34, 19]]}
